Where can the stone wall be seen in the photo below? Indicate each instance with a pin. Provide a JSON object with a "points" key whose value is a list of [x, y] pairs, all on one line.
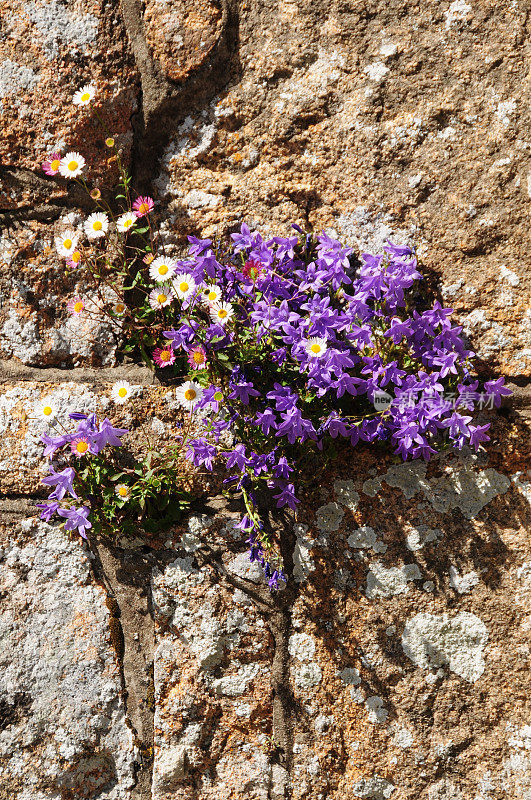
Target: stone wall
{"points": [[396, 664]]}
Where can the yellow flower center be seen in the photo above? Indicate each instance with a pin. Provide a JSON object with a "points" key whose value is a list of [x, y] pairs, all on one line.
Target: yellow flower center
{"points": [[109, 142], [68, 243], [78, 306], [97, 225], [76, 256], [82, 447], [128, 223], [122, 391], [183, 286], [212, 296], [222, 313], [315, 348], [144, 208], [47, 410], [72, 165], [190, 394], [122, 491], [85, 97], [119, 308], [161, 298], [218, 397], [163, 269], [165, 355], [55, 164], [198, 357]]}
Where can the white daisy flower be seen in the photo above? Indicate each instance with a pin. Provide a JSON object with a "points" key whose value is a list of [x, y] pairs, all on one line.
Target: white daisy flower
{"points": [[46, 409], [316, 347], [84, 95], [121, 392], [221, 312], [188, 394], [162, 269], [159, 298], [66, 243], [122, 491], [96, 225], [71, 165], [126, 221], [211, 294], [183, 285], [119, 309]]}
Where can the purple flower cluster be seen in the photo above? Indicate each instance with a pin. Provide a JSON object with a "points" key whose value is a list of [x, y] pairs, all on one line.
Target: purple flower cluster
{"points": [[94, 437], [311, 345]]}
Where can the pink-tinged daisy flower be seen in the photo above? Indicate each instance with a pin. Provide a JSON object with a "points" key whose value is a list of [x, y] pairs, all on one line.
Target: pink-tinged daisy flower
{"points": [[123, 492], [221, 312], [162, 269], [316, 347], [80, 446], [66, 243], [159, 298], [149, 258], [183, 285], [96, 225], [75, 259], [52, 163], [197, 358], [188, 394], [164, 356], [75, 306], [126, 221], [252, 269], [211, 294], [71, 165], [84, 95], [143, 206]]}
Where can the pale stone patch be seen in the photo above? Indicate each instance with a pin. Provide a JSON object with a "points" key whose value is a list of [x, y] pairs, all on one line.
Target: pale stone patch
{"points": [[463, 583], [301, 646], [457, 11], [375, 788], [236, 685], [346, 494], [329, 517], [387, 582], [432, 641]]}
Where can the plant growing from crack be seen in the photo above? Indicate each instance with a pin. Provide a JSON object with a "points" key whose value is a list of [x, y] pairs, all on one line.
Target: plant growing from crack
{"points": [[289, 343]]}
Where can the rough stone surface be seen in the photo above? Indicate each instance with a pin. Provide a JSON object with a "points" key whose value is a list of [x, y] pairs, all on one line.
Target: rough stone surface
{"points": [[64, 730], [400, 669]]}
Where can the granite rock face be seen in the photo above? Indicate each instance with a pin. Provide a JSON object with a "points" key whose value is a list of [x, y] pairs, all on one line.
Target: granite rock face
{"points": [[396, 664]]}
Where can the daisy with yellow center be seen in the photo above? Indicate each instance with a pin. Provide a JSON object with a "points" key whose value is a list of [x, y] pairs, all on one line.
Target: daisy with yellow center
{"points": [[162, 269], [221, 312], [316, 347], [211, 294], [75, 306], [96, 225], [189, 394], [183, 285], [109, 141], [75, 259], [46, 409], [123, 492], [84, 95], [71, 165], [121, 392], [126, 221], [159, 298], [80, 447], [119, 309], [66, 243]]}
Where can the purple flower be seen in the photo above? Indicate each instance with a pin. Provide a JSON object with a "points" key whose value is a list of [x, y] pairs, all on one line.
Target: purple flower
{"points": [[286, 496], [497, 390], [53, 443], [47, 510], [109, 435], [63, 481], [478, 433], [76, 518], [200, 451]]}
